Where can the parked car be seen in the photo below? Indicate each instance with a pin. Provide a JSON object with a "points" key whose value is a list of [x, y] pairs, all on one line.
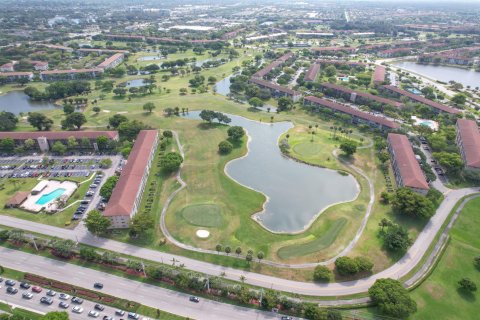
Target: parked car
{"points": [[46, 300], [36, 289], [64, 296], [93, 314], [27, 295], [63, 305], [77, 300], [77, 309], [132, 315], [24, 285], [98, 285], [12, 290], [10, 283], [119, 312], [194, 299]]}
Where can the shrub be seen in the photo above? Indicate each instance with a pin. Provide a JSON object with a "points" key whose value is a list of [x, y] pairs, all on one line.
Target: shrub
{"points": [[225, 147], [322, 274]]}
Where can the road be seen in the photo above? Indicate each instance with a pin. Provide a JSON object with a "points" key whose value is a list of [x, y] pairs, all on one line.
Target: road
{"points": [[34, 305], [397, 270], [149, 295]]}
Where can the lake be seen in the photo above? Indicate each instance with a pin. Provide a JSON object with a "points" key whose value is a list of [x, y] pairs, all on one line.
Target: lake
{"points": [[135, 83], [150, 58], [17, 101], [297, 193], [443, 73]]}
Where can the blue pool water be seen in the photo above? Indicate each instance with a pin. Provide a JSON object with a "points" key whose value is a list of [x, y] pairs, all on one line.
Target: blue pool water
{"points": [[46, 198]]}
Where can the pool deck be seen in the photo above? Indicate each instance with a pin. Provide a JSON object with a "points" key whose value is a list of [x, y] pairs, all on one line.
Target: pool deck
{"points": [[31, 203]]}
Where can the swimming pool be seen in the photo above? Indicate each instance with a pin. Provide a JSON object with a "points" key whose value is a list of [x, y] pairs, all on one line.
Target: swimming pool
{"points": [[46, 198]]}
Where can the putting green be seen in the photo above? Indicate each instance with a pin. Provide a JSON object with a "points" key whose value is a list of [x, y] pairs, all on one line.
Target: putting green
{"points": [[307, 148], [203, 215], [303, 249]]}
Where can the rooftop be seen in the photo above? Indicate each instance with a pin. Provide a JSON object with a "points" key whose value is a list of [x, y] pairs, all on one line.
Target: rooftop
{"points": [[468, 131], [58, 135], [408, 166], [363, 94], [312, 72], [71, 71], [273, 86], [110, 60]]}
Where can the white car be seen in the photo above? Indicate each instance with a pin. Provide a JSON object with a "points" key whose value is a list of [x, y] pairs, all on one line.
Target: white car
{"points": [[93, 314], [77, 309], [64, 296]]}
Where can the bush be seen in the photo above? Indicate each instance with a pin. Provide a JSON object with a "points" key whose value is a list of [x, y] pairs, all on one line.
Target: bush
{"points": [[225, 147], [364, 264], [322, 274], [346, 266], [392, 298], [467, 285], [107, 188], [171, 161]]}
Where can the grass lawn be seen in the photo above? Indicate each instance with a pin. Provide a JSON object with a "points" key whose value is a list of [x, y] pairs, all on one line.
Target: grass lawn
{"points": [[439, 293]]}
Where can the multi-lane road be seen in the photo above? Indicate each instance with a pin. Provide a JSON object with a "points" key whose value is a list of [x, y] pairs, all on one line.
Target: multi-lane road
{"points": [[146, 294]]}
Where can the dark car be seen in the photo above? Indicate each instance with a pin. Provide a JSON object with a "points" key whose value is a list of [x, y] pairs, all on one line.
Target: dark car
{"points": [[132, 315], [24, 285], [12, 290], [10, 283], [63, 305], [77, 300], [99, 307], [194, 299], [98, 285], [46, 300]]}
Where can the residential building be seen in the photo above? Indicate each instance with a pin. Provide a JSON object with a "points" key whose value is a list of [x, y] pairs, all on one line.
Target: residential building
{"points": [[7, 67], [358, 117], [312, 72], [276, 90], [333, 50], [15, 76], [44, 140], [101, 51], [468, 142], [73, 74], [275, 64], [40, 65], [436, 107], [379, 75], [358, 97], [266, 37], [397, 52], [324, 62], [127, 194], [112, 62], [405, 165], [312, 35]]}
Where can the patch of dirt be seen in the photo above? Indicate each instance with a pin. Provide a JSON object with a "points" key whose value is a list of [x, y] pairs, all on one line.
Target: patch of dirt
{"points": [[435, 290]]}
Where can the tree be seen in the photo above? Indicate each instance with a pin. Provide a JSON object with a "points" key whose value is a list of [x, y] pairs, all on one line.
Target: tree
{"points": [[121, 92], [74, 120], [105, 163], [55, 315], [59, 147], [8, 121], [96, 109], [396, 238], [322, 274], [364, 264], [284, 103], [260, 256], [63, 248], [168, 134], [228, 249], [96, 223], [346, 266], [255, 102], [238, 251], [476, 262], [235, 132], [116, 120], [88, 254], [171, 161], [107, 188], [348, 147], [467, 285], [102, 142], [392, 298], [7, 144], [452, 162], [39, 121], [140, 223], [207, 115], [410, 203], [330, 71], [72, 142], [149, 106], [29, 144], [218, 247], [130, 129], [68, 108], [459, 99], [225, 147]]}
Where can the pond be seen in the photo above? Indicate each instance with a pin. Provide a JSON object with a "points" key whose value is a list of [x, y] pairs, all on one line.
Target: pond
{"points": [[135, 83], [223, 86], [443, 73], [297, 193], [150, 58], [17, 101]]}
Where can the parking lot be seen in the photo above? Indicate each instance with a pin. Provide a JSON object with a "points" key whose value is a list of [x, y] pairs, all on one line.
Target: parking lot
{"points": [[86, 167], [30, 297]]}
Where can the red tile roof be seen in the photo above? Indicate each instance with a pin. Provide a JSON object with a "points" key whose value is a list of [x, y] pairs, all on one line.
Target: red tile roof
{"points": [[334, 49], [274, 86], [263, 72], [340, 62], [106, 63], [125, 193], [379, 74], [354, 112], [6, 74], [407, 165], [470, 136], [58, 135], [103, 50], [312, 72], [423, 100], [363, 94], [71, 71]]}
